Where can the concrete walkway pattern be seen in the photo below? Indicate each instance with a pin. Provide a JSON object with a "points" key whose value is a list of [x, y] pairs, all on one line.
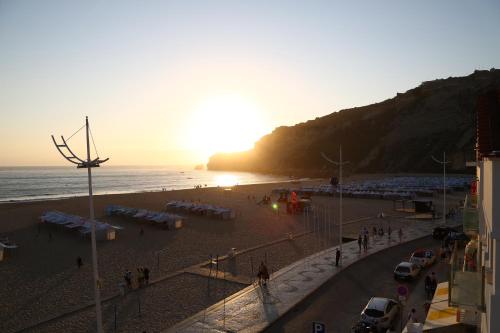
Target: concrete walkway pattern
{"points": [[255, 307]]}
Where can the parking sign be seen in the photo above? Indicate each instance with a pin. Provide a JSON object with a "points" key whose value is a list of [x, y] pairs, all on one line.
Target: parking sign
{"points": [[319, 327]]}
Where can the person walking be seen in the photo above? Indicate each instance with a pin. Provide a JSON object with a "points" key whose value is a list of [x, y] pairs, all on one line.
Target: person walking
{"points": [[412, 316], [365, 243], [79, 262], [400, 234], [427, 287], [146, 275], [263, 274], [433, 284], [389, 232], [337, 257], [360, 242], [128, 278]]}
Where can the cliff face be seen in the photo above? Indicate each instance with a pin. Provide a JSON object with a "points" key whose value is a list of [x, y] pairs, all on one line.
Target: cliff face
{"points": [[397, 135]]}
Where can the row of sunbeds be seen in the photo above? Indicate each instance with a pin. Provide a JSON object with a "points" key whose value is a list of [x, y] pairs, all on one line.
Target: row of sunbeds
{"points": [[166, 220], [201, 209], [80, 224]]}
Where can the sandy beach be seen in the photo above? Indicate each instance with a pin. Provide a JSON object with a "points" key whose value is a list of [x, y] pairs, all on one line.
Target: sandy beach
{"points": [[40, 280]]}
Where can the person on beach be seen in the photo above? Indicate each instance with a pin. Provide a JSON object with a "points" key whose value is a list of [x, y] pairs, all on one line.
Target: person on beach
{"points": [[146, 275], [128, 278], [360, 241], [337, 257], [140, 277], [79, 262], [263, 274], [365, 243]]}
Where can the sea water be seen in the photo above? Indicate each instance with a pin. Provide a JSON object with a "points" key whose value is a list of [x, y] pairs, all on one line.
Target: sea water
{"points": [[43, 183]]}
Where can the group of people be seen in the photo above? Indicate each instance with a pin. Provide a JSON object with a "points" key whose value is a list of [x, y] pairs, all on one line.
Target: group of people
{"points": [[142, 277], [363, 241], [364, 234], [266, 200]]}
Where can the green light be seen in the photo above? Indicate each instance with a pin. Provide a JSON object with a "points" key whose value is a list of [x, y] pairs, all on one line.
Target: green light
{"points": [[275, 206]]}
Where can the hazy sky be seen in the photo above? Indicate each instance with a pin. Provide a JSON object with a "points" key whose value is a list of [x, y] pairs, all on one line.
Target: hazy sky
{"points": [[169, 82]]}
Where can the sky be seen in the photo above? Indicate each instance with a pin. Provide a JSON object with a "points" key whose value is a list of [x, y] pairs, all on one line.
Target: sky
{"points": [[172, 82]]}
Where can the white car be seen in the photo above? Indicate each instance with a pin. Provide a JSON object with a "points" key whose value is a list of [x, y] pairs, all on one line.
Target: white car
{"points": [[406, 271], [380, 312], [423, 258]]}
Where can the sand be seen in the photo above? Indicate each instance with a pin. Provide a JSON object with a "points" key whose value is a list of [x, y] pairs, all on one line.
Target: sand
{"points": [[40, 280]]}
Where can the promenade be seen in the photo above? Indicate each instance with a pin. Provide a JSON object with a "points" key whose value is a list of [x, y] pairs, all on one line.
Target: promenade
{"points": [[254, 308]]}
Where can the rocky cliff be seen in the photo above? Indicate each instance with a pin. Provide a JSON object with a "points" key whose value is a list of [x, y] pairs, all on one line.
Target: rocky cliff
{"points": [[397, 135]]}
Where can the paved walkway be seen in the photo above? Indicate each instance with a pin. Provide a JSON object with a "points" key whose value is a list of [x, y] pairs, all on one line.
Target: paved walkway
{"points": [[254, 308]]}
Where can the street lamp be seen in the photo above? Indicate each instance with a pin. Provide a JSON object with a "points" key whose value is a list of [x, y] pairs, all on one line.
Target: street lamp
{"points": [[87, 164], [443, 162], [338, 163]]}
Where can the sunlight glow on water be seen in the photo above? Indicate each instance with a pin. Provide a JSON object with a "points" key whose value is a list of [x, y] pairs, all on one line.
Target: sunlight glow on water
{"points": [[226, 180]]}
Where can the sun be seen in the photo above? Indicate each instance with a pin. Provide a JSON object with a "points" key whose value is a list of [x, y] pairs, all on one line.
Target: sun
{"points": [[225, 123]]}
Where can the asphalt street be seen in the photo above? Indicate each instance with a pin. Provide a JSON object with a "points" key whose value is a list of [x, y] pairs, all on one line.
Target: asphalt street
{"points": [[339, 302]]}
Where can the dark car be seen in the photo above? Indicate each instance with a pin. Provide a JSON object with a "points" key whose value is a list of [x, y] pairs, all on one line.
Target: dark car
{"points": [[442, 232], [454, 236]]}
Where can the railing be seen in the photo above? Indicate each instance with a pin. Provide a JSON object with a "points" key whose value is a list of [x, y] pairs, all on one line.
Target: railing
{"points": [[471, 215], [466, 287]]}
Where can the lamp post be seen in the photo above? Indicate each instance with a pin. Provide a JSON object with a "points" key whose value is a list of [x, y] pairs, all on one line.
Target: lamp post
{"points": [[443, 162], [87, 164], [338, 163]]}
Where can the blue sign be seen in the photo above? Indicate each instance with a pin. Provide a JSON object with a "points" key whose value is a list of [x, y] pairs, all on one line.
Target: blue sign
{"points": [[319, 327]]}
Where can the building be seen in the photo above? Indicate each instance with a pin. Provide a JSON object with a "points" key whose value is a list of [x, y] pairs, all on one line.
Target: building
{"points": [[474, 277]]}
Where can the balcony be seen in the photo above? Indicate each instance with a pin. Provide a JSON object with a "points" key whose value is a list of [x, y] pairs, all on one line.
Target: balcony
{"points": [[471, 216], [466, 288]]}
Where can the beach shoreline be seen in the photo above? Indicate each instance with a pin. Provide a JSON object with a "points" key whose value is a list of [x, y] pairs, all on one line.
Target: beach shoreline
{"points": [[41, 278]]}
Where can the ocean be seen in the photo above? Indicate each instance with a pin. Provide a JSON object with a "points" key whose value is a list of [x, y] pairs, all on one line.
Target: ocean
{"points": [[44, 183]]}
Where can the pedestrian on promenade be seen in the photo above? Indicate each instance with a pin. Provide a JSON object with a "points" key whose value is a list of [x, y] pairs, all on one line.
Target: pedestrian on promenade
{"points": [[412, 317], [79, 262], [427, 287], [365, 243], [360, 242], [389, 232], [400, 234], [374, 231], [337, 257], [263, 274], [433, 284]]}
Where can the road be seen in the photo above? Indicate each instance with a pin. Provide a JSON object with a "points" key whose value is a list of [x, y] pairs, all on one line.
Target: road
{"points": [[339, 302]]}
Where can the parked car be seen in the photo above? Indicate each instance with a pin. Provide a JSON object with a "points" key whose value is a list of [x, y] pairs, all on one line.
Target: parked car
{"points": [[423, 257], [454, 236], [380, 312], [441, 232], [362, 327], [406, 271]]}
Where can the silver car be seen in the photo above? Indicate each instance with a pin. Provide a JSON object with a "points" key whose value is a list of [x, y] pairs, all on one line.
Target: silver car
{"points": [[406, 271], [380, 312]]}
